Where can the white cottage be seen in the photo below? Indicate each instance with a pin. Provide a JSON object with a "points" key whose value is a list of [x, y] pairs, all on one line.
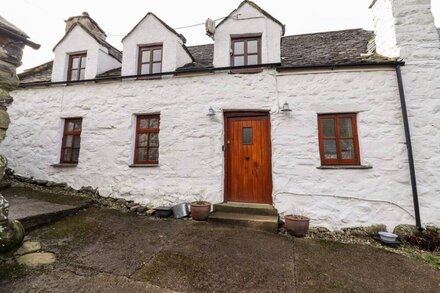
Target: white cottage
{"points": [[342, 126]]}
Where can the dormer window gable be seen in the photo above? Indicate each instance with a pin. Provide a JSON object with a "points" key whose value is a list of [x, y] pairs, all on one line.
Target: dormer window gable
{"points": [[83, 52], [248, 36], [153, 47]]}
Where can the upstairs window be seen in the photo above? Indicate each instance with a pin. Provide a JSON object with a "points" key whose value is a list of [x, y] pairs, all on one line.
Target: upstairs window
{"points": [[147, 140], [338, 139], [246, 51], [150, 59], [77, 67], [71, 141]]}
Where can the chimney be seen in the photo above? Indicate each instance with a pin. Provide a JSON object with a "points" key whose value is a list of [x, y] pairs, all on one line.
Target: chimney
{"points": [[87, 22], [405, 29]]}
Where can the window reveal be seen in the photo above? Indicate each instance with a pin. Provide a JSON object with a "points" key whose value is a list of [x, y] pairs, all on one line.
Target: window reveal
{"points": [[150, 59], [147, 139], [77, 67], [71, 141], [246, 51], [338, 139]]}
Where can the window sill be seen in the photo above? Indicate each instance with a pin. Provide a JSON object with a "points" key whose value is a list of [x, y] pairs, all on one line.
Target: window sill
{"points": [[347, 167], [252, 70], [144, 165], [64, 165]]}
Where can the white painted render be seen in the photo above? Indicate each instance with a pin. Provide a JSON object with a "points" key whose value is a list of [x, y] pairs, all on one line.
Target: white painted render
{"points": [[191, 156], [419, 46], [79, 41], [248, 20], [151, 31]]}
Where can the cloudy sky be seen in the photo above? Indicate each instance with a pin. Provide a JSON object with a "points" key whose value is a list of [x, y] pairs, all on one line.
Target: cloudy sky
{"points": [[43, 20]]}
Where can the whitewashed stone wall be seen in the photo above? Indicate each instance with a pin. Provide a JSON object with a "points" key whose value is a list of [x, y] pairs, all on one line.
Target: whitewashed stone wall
{"points": [[417, 42], [191, 157]]}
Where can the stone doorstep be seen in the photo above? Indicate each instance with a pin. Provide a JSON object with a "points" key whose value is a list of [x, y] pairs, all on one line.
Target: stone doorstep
{"points": [[259, 222], [246, 208]]}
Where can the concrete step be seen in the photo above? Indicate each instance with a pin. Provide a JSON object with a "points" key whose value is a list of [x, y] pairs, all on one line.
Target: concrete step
{"points": [[246, 208], [260, 222]]}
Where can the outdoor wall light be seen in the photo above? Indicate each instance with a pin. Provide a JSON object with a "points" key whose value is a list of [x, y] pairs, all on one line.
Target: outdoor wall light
{"points": [[286, 108], [211, 112]]}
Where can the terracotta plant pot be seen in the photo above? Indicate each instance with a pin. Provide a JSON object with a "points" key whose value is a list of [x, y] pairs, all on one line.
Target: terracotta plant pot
{"points": [[297, 226], [200, 210]]}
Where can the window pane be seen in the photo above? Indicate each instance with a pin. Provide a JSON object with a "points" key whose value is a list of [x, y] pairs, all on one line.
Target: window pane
{"points": [[143, 140], [345, 127], [154, 139], [145, 68], [239, 61], [77, 141], [82, 74], [252, 60], [247, 135], [252, 47], [74, 75], [347, 149], [142, 154], [157, 67], [330, 149], [154, 123], [75, 155], [70, 125], [83, 62], [143, 123], [75, 62], [157, 55], [67, 154], [238, 48], [68, 142], [146, 56], [153, 154], [328, 126], [77, 125]]}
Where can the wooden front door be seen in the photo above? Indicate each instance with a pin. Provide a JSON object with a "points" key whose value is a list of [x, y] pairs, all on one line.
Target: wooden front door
{"points": [[248, 174]]}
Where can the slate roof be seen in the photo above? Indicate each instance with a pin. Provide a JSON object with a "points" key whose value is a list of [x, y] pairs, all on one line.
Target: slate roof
{"points": [[9, 29], [346, 47], [39, 73]]}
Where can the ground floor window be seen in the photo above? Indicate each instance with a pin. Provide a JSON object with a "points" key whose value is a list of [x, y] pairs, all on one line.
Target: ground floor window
{"points": [[338, 139], [147, 139], [71, 140]]}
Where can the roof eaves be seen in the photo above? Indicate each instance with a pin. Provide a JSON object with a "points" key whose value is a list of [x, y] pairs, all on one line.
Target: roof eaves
{"points": [[161, 21], [115, 54], [264, 12]]}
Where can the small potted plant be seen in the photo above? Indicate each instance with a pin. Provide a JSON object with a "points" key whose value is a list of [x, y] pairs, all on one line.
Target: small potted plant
{"points": [[200, 210], [297, 225]]}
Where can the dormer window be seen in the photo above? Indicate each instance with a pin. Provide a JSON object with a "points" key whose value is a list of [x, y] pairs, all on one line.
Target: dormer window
{"points": [[77, 67], [246, 50], [150, 59]]}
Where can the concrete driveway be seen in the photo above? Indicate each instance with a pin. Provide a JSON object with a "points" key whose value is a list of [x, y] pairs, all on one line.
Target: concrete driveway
{"points": [[101, 250]]}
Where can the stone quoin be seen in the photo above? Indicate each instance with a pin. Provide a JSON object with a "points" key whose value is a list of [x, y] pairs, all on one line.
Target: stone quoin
{"points": [[338, 73]]}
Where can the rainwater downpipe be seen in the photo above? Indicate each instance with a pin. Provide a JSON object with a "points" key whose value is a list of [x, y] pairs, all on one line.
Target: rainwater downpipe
{"points": [[409, 147]]}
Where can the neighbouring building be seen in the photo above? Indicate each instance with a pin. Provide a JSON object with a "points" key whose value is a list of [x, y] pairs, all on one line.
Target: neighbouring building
{"points": [[12, 43], [319, 124]]}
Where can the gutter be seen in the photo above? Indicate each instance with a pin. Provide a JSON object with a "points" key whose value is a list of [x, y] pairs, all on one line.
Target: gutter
{"points": [[277, 66], [409, 147]]}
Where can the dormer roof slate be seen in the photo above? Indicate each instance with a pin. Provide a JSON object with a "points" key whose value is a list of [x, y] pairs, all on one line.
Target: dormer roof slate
{"points": [[115, 53]]}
